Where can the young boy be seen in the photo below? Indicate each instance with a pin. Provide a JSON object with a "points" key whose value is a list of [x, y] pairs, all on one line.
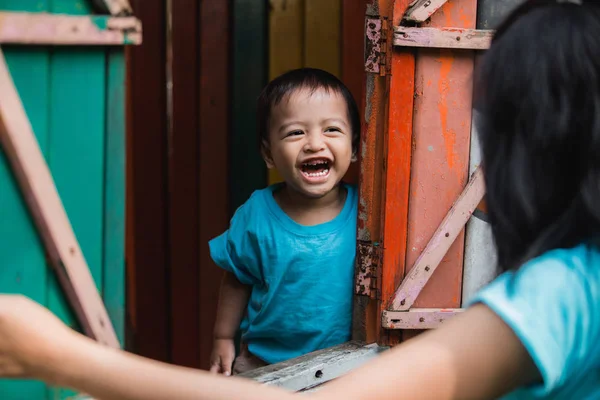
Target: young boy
{"points": [[289, 251]]}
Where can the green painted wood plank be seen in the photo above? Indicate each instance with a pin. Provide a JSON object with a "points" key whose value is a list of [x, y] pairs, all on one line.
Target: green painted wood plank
{"points": [[58, 6], [76, 159], [78, 7], [114, 203], [24, 5], [248, 170], [22, 260]]}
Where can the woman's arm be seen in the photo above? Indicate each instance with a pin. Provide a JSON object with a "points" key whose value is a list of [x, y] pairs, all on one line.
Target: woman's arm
{"points": [[473, 356], [35, 344]]}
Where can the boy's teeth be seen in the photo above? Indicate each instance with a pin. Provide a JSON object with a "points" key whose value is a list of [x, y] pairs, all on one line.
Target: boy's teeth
{"points": [[316, 174]]}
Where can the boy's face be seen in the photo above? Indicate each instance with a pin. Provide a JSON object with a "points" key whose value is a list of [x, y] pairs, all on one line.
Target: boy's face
{"points": [[310, 141]]}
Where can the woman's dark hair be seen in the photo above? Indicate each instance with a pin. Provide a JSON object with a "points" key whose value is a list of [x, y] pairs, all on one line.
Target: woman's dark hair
{"points": [[312, 79], [538, 105]]}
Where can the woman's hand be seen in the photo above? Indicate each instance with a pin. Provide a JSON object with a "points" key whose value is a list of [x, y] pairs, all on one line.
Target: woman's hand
{"points": [[31, 338]]}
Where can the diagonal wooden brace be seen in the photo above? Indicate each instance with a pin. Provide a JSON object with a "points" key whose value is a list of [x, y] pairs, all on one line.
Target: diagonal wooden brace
{"points": [[422, 10], [33, 175], [439, 244]]}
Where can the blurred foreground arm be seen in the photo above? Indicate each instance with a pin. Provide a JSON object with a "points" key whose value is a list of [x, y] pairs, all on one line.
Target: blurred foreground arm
{"points": [[473, 356]]}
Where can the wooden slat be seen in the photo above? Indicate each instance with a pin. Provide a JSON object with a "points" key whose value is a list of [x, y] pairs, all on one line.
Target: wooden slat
{"points": [[440, 156], [21, 147], [480, 266], [114, 204], [147, 88], [366, 313], [114, 7], [314, 369], [397, 172], [442, 239], [183, 203], [443, 38], [286, 44], [249, 64], [322, 35], [53, 29], [422, 10], [214, 112], [353, 70], [418, 318]]}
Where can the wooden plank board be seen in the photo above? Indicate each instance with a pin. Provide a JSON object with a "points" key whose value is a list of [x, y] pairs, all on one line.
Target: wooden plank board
{"points": [[418, 318], [366, 318], [445, 235], [443, 38], [23, 263], [352, 64], [249, 47], [214, 112], [49, 29], [480, 266], [439, 173], [398, 163], [183, 191], [322, 35], [314, 369], [32, 172], [422, 10], [113, 259], [286, 44], [77, 104], [147, 86]]}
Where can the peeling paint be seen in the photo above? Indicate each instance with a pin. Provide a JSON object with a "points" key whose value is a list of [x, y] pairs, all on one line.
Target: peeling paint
{"points": [[443, 88]]}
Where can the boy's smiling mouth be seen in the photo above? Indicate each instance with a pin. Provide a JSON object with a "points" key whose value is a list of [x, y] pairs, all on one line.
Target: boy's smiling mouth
{"points": [[315, 170]]}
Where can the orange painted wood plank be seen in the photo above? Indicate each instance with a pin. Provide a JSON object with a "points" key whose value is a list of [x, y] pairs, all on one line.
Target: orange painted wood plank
{"points": [[366, 312], [397, 172], [440, 157]]}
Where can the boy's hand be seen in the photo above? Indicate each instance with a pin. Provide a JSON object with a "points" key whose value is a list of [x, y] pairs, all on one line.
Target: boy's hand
{"points": [[223, 354]]}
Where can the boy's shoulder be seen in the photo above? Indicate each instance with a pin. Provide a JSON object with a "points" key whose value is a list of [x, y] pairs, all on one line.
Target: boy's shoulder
{"points": [[255, 207]]}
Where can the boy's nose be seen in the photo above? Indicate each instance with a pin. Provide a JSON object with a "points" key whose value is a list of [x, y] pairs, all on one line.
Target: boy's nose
{"points": [[314, 143]]}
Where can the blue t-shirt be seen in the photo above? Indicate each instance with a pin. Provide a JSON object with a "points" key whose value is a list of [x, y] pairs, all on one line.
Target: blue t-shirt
{"points": [[552, 304], [301, 276]]}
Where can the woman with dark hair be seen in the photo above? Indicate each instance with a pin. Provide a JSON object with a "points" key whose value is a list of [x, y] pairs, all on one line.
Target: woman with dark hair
{"points": [[532, 333]]}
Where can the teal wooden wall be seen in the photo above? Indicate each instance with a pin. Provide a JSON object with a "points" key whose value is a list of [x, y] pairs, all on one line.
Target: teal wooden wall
{"points": [[74, 97]]}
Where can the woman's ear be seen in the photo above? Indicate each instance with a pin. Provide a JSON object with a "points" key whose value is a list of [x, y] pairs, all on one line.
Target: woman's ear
{"points": [[265, 150]]}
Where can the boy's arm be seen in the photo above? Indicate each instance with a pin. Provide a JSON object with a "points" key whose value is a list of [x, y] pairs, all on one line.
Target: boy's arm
{"points": [[233, 299]]}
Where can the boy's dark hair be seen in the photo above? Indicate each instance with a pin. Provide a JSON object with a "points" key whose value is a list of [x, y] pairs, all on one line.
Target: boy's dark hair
{"points": [[312, 79], [538, 98]]}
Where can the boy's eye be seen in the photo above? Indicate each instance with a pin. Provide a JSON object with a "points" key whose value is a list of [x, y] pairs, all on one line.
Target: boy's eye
{"points": [[295, 133], [333, 129]]}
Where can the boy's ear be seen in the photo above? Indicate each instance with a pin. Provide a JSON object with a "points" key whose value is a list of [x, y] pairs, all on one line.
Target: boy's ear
{"points": [[354, 157], [265, 150]]}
